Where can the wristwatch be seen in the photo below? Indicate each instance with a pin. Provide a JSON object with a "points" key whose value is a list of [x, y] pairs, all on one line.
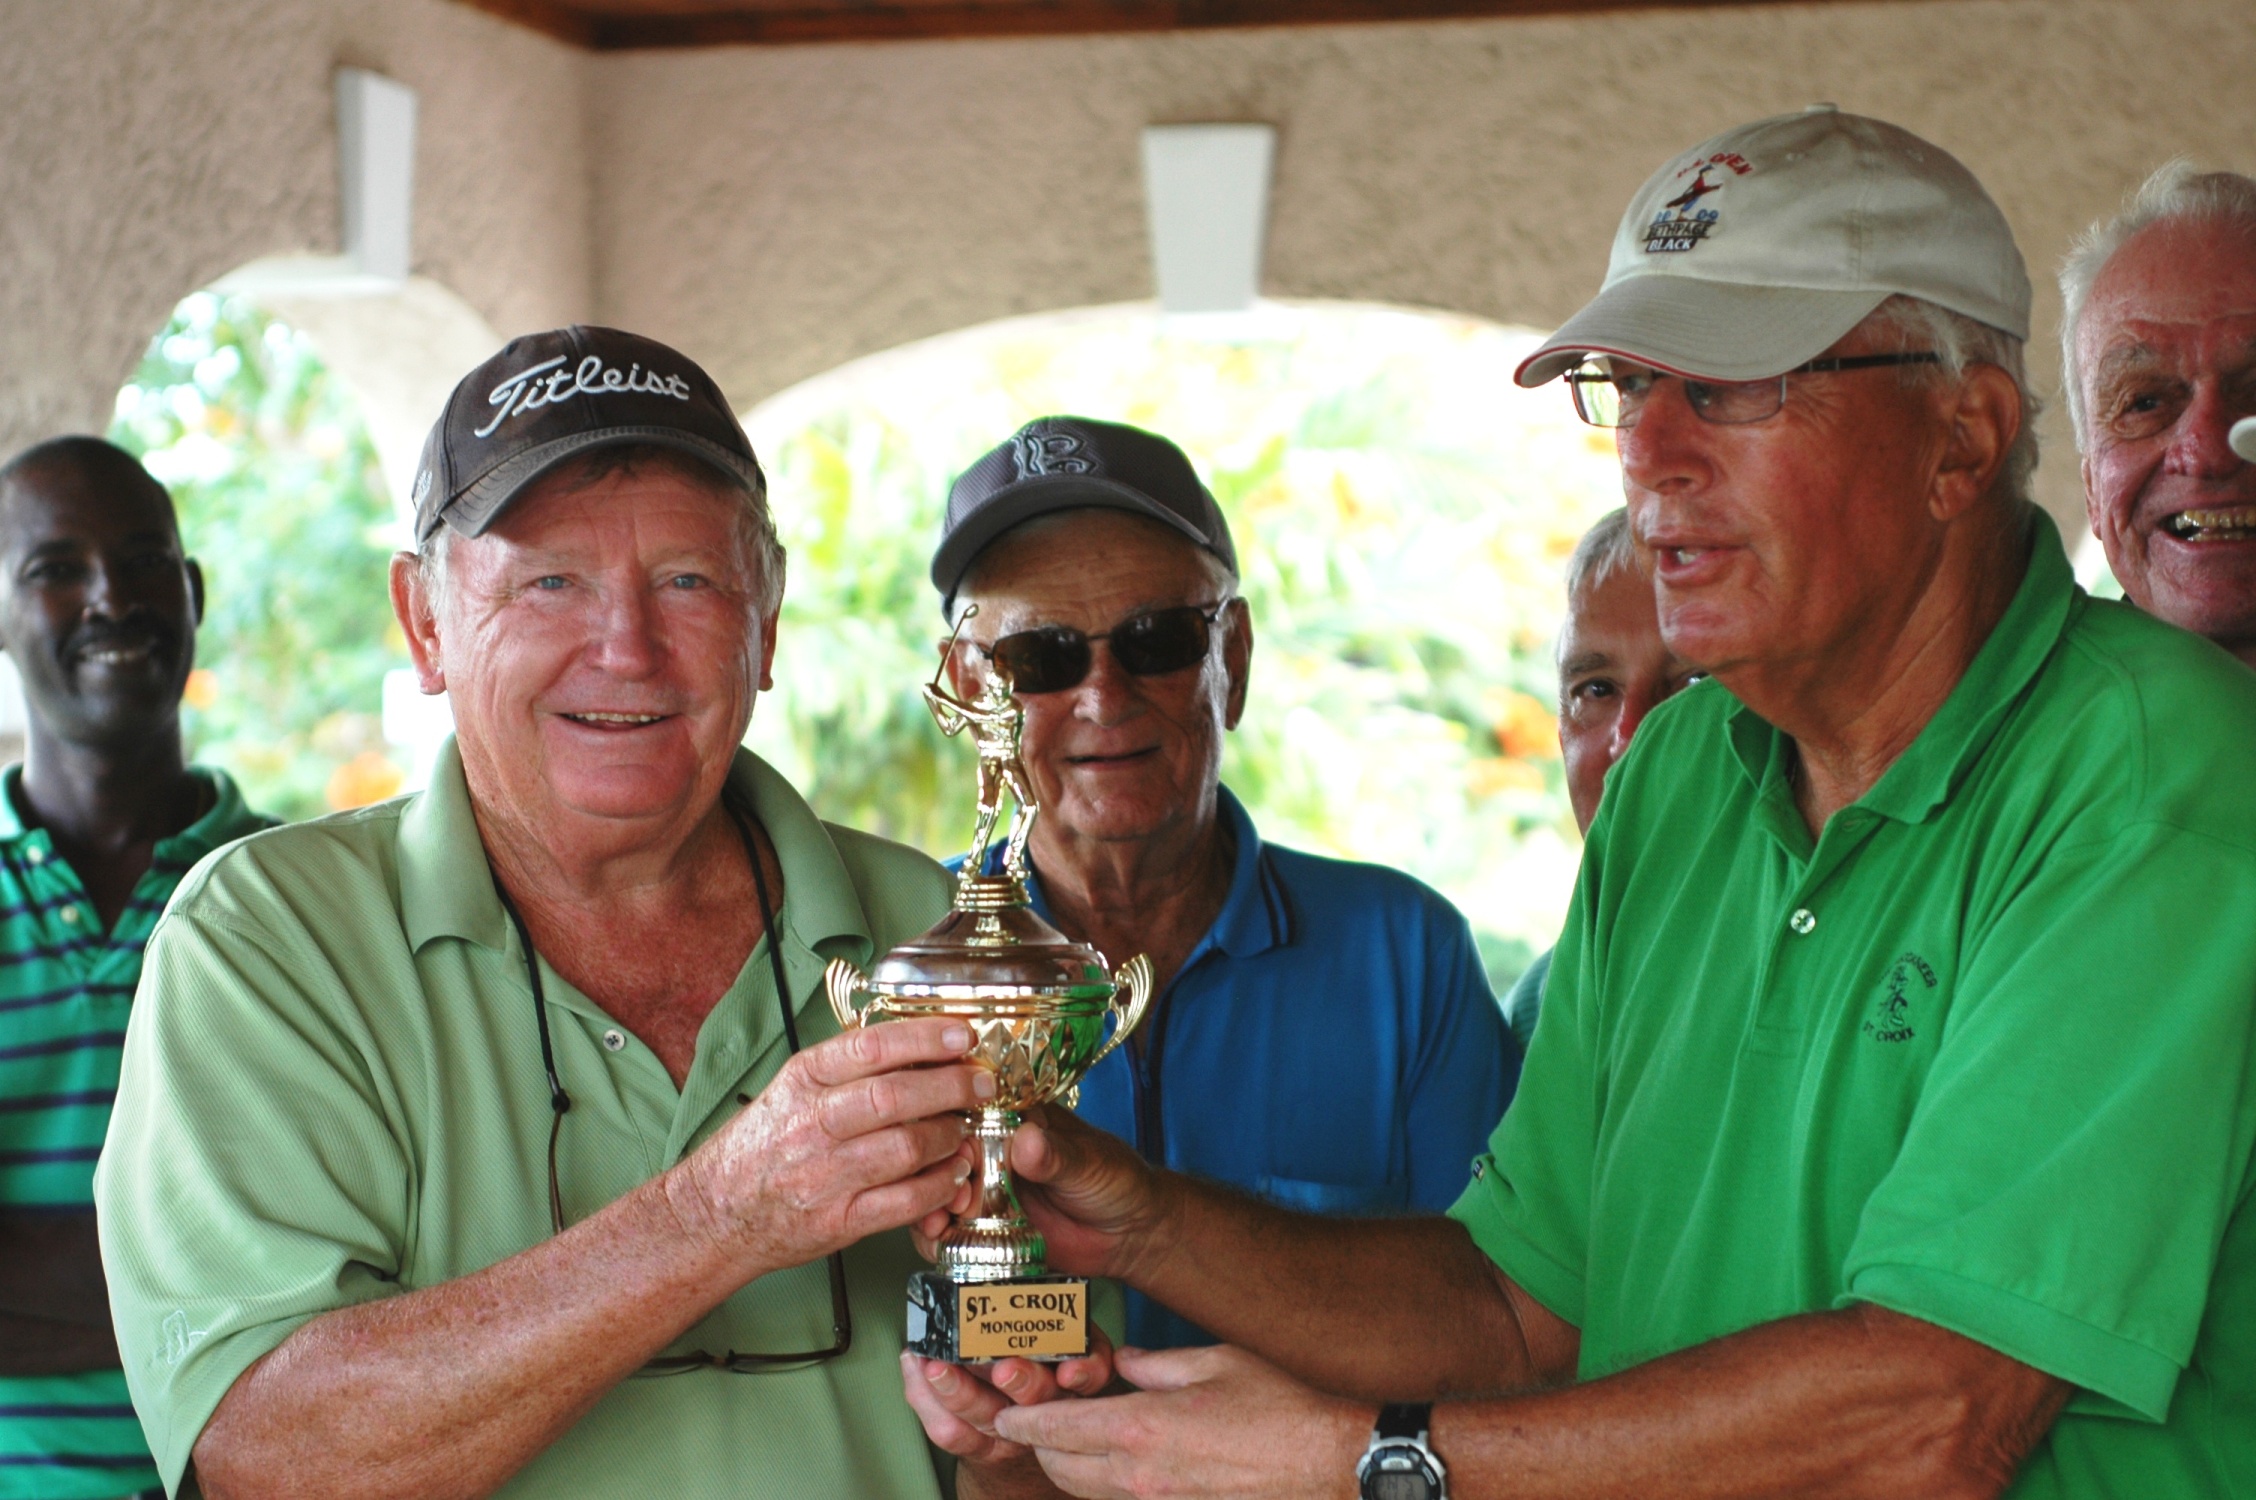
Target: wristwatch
{"points": [[1400, 1464]]}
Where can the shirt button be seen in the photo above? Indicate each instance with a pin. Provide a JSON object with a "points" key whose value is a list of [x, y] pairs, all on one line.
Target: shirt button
{"points": [[70, 915], [1803, 921], [36, 855], [614, 1039]]}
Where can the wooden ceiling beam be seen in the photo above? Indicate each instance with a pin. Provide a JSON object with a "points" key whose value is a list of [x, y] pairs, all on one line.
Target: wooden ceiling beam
{"points": [[639, 24]]}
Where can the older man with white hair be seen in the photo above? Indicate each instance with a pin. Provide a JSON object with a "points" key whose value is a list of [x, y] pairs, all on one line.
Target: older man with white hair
{"points": [[494, 1140], [2160, 355], [1886, 1131], [2159, 346]]}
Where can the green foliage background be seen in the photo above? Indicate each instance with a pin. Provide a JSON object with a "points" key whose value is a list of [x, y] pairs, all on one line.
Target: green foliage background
{"points": [[1401, 511], [283, 503]]}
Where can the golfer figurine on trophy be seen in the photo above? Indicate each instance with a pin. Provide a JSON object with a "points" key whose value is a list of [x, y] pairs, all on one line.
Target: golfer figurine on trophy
{"points": [[1036, 1002]]}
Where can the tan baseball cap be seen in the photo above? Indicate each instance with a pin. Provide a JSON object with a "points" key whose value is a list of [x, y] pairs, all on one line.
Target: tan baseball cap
{"points": [[1753, 252]]}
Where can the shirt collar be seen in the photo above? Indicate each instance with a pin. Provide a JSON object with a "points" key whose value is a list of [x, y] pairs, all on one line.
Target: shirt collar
{"points": [[447, 887], [228, 819], [1255, 916], [1930, 769]]}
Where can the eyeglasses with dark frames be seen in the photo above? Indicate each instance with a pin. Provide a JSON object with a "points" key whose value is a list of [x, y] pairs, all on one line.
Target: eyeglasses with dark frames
{"points": [[1607, 395], [560, 1104], [1054, 658]]}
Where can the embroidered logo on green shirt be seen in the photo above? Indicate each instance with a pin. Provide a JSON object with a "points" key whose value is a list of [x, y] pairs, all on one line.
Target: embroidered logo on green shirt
{"points": [[1890, 1020]]}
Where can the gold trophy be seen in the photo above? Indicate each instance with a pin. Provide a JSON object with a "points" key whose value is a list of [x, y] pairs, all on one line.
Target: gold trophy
{"points": [[1036, 1002]]}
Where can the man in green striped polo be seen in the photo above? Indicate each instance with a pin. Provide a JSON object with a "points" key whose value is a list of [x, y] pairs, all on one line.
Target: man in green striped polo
{"points": [[98, 610]]}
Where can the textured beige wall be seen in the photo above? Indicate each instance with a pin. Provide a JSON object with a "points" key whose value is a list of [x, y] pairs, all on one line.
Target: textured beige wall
{"points": [[149, 146], [781, 211]]}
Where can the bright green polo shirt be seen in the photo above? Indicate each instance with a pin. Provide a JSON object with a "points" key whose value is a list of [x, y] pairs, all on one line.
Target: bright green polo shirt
{"points": [[333, 1093], [1983, 1053], [66, 988]]}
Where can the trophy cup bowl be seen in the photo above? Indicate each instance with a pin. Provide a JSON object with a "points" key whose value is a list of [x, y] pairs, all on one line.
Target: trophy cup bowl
{"points": [[1036, 1003]]}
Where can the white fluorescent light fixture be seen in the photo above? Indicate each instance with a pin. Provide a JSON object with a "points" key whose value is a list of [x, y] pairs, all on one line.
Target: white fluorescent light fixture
{"points": [[1207, 189], [375, 194]]}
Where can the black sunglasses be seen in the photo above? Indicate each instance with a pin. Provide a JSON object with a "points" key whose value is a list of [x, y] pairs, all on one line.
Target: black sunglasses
{"points": [[560, 1104], [1057, 657]]}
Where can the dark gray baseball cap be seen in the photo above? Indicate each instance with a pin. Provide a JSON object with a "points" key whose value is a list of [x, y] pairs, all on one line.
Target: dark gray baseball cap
{"points": [[1074, 463], [548, 396]]}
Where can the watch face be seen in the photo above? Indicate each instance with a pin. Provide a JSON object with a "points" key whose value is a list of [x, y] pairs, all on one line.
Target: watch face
{"points": [[1409, 1486], [1400, 1474]]}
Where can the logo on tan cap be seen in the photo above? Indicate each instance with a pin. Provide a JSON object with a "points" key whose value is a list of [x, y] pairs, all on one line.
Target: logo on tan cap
{"points": [[1686, 219]]}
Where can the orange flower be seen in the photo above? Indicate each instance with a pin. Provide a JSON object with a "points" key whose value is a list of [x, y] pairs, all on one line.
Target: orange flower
{"points": [[202, 690], [1496, 773], [368, 777], [1527, 728]]}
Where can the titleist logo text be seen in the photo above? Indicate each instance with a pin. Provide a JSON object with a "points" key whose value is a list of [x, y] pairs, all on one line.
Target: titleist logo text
{"points": [[548, 383]]}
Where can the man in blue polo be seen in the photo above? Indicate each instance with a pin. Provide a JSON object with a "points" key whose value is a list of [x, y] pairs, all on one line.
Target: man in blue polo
{"points": [[1324, 1035], [98, 611]]}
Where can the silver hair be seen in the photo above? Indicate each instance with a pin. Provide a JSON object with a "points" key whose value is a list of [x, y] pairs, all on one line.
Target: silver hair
{"points": [[1605, 550], [1914, 323], [2177, 191], [756, 523]]}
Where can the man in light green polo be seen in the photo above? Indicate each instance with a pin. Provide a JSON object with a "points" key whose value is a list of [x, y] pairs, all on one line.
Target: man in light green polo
{"points": [[495, 1140], [1890, 1125]]}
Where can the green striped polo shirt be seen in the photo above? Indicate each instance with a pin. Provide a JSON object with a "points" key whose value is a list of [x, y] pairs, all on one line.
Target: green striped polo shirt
{"points": [[65, 990]]}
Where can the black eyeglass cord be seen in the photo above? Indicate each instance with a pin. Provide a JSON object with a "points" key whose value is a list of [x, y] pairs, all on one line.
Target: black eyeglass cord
{"points": [[560, 1101]]}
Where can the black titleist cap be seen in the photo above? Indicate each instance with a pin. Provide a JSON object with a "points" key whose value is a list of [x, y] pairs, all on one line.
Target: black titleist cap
{"points": [[548, 396], [1071, 463]]}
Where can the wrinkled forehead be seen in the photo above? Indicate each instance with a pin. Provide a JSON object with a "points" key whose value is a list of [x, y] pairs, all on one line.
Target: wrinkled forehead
{"points": [[1088, 569], [623, 511], [2173, 287], [1616, 618], [69, 501]]}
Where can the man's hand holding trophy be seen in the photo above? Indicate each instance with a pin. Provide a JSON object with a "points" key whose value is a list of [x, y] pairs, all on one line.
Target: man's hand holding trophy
{"points": [[1036, 1003]]}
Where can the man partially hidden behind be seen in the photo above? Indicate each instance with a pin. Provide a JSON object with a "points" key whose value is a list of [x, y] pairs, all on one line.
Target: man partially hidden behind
{"points": [[98, 611], [1890, 1128], [1323, 1035], [2159, 346], [1614, 669]]}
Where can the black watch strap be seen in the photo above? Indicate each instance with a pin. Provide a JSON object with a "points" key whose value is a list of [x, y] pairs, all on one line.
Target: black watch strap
{"points": [[1404, 1419]]}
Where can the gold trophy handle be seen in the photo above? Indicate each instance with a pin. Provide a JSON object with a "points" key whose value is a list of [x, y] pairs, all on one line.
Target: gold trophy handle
{"points": [[1132, 992], [840, 980]]}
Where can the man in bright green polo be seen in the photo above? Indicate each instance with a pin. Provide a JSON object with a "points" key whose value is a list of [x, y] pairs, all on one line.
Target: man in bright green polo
{"points": [[496, 1140], [1888, 1127]]}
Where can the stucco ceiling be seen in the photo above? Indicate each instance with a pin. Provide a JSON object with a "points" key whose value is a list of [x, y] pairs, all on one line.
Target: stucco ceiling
{"points": [[609, 25]]}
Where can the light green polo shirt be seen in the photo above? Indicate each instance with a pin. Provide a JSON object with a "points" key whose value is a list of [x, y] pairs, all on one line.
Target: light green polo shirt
{"points": [[1983, 1053], [332, 1093]]}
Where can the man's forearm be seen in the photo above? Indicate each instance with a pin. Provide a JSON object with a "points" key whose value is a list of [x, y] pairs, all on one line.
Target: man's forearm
{"points": [[447, 1391], [1830, 1406], [1382, 1309]]}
